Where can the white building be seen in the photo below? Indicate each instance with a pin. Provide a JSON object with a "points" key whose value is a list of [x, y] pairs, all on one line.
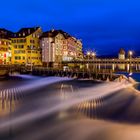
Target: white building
{"points": [[58, 46]]}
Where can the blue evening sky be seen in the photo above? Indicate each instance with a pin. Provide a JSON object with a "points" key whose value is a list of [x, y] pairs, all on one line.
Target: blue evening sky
{"points": [[103, 25]]}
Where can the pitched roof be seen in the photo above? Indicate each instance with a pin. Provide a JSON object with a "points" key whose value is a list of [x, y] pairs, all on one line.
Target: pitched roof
{"points": [[122, 51], [23, 32], [5, 34], [54, 33]]}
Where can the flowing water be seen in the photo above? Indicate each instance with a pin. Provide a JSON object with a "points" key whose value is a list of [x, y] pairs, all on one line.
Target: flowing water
{"points": [[53, 108]]}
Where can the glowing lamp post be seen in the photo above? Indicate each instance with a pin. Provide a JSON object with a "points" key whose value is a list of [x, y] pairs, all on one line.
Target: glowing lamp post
{"points": [[93, 55], [88, 54], [130, 54]]}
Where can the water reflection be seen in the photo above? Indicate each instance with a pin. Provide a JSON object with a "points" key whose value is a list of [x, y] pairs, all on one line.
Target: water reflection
{"points": [[110, 108], [9, 101]]}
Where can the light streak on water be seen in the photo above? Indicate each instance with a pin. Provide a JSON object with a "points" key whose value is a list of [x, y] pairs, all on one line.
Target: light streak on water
{"points": [[56, 103]]}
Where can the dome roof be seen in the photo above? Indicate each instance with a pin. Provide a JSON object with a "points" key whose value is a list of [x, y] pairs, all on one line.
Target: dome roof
{"points": [[122, 51]]}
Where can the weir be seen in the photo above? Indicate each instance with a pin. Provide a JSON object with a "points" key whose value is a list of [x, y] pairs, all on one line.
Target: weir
{"points": [[98, 75]]}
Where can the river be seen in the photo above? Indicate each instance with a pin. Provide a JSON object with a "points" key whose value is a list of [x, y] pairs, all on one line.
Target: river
{"points": [[53, 108]]}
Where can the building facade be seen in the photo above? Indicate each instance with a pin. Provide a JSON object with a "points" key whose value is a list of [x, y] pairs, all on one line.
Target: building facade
{"points": [[58, 46], [26, 48], [73, 49], [5, 47]]}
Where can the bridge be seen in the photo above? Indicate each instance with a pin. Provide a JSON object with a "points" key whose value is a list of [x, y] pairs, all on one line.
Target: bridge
{"points": [[87, 71], [104, 61]]}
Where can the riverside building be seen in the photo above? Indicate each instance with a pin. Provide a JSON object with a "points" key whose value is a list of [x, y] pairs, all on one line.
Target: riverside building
{"points": [[58, 46], [25, 47], [5, 46]]}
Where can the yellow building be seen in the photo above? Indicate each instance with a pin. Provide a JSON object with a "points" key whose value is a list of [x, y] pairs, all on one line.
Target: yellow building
{"points": [[5, 47], [26, 48]]}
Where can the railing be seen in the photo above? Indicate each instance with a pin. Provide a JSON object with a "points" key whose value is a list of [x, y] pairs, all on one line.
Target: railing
{"points": [[133, 60]]}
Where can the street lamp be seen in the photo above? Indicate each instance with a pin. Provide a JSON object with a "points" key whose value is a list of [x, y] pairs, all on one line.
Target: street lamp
{"points": [[131, 53], [93, 54], [88, 54]]}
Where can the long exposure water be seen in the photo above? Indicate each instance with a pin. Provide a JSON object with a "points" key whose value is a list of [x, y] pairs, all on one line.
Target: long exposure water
{"points": [[53, 108]]}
